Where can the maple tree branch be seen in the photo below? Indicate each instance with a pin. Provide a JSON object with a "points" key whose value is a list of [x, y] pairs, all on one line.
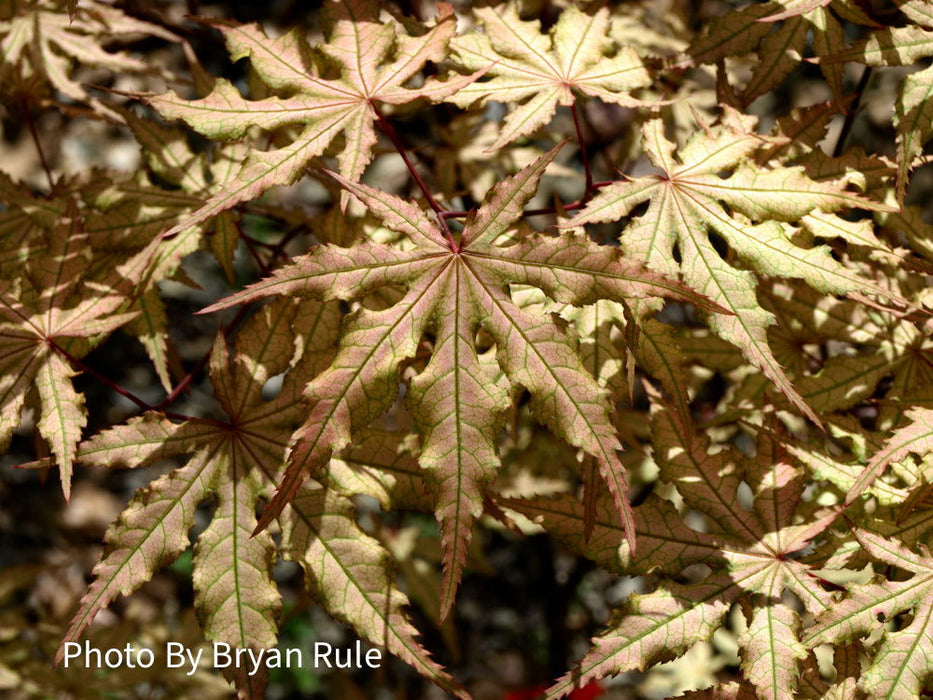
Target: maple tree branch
{"points": [[250, 246], [182, 386], [279, 248], [386, 127], [31, 124], [584, 156], [81, 366], [90, 371], [573, 206], [851, 114], [252, 240]]}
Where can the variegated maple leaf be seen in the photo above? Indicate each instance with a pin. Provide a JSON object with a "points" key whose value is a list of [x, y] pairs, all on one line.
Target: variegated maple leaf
{"points": [[913, 110], [751, 210], [130, 212], [48, 316], [752, 553], [781, 33], [900, 666], [915, 437], [455, 288], [376, 56], [41, 41], [237, 461], [541, 71]]}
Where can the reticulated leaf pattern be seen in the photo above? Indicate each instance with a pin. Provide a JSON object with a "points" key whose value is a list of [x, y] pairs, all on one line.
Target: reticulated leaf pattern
{"points": [[693, 346]]}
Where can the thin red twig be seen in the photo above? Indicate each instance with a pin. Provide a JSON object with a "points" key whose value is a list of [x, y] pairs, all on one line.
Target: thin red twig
{"points": [[386, 127], [584, 156], [81, 366], [30, 122]]}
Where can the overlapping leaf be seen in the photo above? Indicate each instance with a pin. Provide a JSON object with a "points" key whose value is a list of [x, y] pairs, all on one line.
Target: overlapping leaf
{"points": [[376, 56], [237, 461], [901, 664], [781, 33], [453, 290], [44, 40], [541, 71], [47, 317], [913, 110], [750, 210], [751, 553]]}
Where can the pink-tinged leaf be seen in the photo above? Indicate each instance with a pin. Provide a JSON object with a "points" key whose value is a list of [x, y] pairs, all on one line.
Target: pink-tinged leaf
{"points": [[234, 591], [329, 272], [235, 462], [503, 204], [375, 58], [900, 664], [747, 550], [537, 355], [360, 384], [346, 571], [541, 72], [397, 214], [63, 414], [50, 319], [151, 532], [652, 627], [916, 437], [575, 270], [459, 411], [450, 295], [771, 647], [262, 170], [688, 200]]}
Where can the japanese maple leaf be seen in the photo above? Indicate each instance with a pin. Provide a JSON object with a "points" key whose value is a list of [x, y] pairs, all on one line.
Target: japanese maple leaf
{"points": [[453, 290], [751, 553], [129, 212], [541, 71], [48, 316], [236, 461], [914, 437], [900, 665], [782, 48], [376, 56], [913, 109], [45, 40], [691, 199]]}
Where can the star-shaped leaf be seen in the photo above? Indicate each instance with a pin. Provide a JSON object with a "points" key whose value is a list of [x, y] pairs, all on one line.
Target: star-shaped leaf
{"points": [[376, 56], [751, 553], [48, 317], [236, 461], [693, 205], [453, 290], [543, 71]]}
